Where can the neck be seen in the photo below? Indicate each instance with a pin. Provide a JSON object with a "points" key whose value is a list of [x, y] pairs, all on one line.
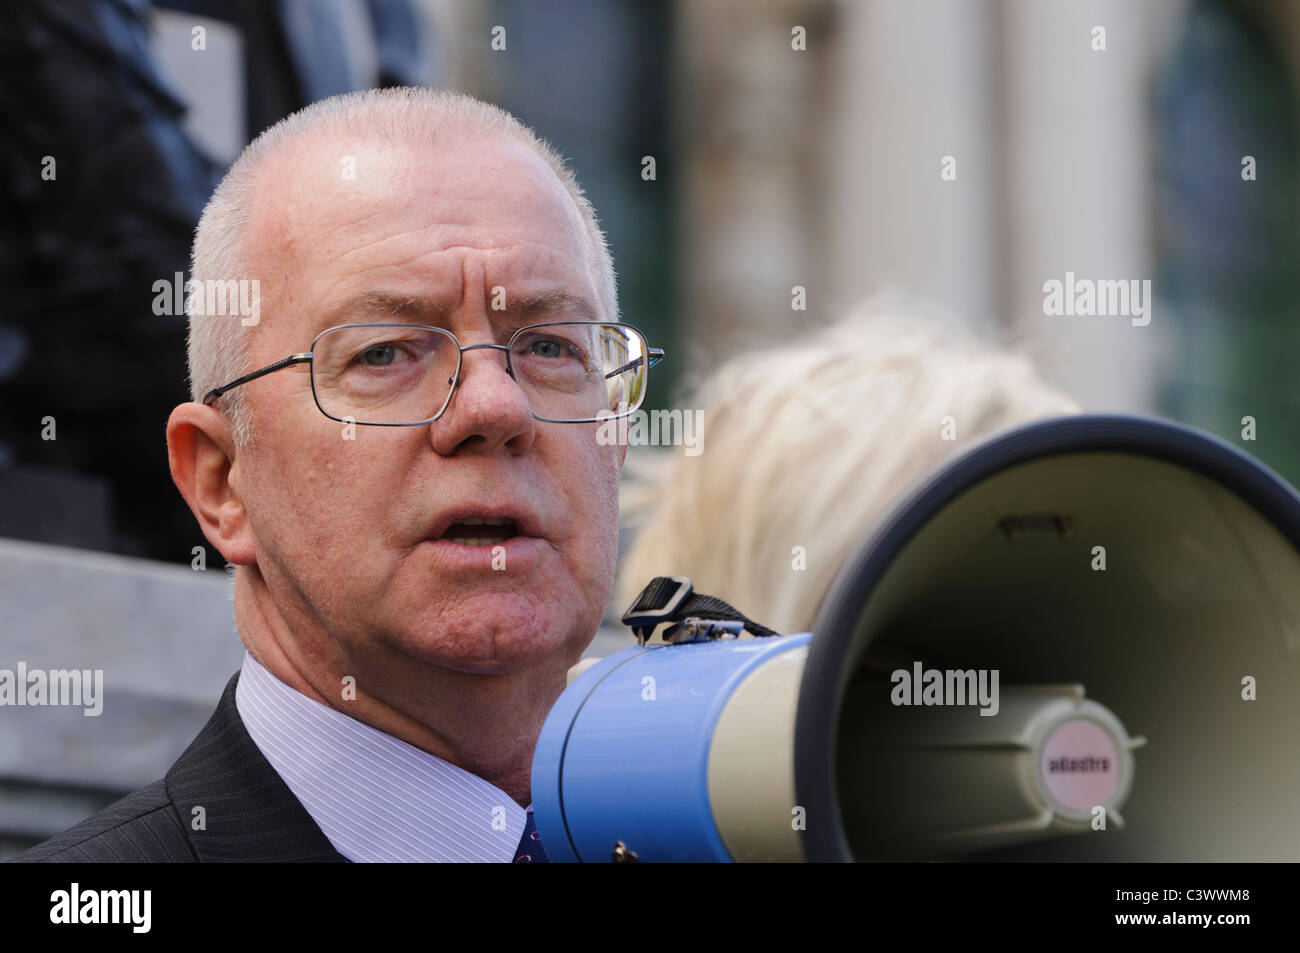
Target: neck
{"points": [[486, 724]]}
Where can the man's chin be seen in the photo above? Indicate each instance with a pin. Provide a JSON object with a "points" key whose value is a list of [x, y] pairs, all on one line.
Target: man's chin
{"points": [[488, 655], [490, 639]]}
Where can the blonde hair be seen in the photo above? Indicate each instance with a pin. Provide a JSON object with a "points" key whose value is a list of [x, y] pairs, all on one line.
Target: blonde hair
{"points": [[808, 445], [218, 352]]}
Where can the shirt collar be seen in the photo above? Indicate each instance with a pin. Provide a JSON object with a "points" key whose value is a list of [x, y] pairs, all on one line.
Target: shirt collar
{"points": [[374, 796]]}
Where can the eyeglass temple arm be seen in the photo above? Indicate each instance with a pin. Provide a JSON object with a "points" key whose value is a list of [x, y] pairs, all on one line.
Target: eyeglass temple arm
{"points": [[290, 360], [656, 355]]}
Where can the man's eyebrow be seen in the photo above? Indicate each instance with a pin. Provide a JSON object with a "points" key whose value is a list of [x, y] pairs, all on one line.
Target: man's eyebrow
{"points": [[379, 305], [550, 301]]}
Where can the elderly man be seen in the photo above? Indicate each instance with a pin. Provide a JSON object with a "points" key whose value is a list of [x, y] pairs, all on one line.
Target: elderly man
{"points": [[399, 454]]}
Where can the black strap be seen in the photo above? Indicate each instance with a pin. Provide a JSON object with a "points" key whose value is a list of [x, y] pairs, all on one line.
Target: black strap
{"points": [[674, 599]]}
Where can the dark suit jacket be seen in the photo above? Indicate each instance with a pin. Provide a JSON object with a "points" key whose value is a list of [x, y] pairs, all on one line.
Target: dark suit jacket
{"points": [[249, 813]]}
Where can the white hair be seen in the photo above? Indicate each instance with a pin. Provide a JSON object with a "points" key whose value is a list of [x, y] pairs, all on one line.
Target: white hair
{"points": [[218, 352], [808, 445]]}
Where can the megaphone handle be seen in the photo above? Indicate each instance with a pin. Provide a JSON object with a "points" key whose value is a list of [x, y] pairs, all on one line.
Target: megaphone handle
{"points": [[674, 599]]}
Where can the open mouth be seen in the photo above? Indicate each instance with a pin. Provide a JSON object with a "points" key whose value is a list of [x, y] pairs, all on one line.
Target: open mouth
{"points": [[481, 531]]}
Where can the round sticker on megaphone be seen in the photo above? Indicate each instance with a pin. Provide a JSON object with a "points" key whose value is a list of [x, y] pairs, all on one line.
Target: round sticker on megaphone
{"points": [[1079, 765]]}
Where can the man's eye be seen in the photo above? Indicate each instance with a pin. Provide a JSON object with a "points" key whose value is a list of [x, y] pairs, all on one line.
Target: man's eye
{"points": [[380, 355], [548, 348]]}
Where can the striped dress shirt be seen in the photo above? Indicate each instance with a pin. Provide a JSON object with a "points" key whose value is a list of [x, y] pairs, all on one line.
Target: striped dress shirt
{"points": [[377, 798]]}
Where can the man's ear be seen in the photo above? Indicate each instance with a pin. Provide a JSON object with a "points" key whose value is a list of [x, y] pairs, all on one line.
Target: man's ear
{"points": [[202, 454]]}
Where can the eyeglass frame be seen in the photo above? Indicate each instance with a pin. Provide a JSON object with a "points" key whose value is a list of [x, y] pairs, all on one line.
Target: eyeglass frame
{"points": [[652, 356]]}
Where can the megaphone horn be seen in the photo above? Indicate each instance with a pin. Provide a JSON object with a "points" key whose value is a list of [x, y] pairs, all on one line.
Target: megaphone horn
{"points": [[1075, 641]]}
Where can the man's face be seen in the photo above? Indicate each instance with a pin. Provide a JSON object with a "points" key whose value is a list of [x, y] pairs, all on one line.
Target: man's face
{"points": [[349, 533]]}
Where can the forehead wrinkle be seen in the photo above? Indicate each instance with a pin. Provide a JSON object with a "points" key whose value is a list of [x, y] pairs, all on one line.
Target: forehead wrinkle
{"points": [[285, 220], [490, 252]]}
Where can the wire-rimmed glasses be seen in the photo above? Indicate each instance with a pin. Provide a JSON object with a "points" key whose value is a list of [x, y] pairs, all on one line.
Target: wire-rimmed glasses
{"points": [[404, 375]]}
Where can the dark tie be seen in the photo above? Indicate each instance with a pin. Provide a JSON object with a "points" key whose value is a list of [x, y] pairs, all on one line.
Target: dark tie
{"points": [[530, 845]]}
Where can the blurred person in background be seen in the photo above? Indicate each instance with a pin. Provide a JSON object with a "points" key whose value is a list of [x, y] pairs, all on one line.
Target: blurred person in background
{"points": [[119, 118], [809, 445]]}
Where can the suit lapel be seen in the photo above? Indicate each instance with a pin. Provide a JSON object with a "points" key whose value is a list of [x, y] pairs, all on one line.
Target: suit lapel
{"points": [[248, 813]]}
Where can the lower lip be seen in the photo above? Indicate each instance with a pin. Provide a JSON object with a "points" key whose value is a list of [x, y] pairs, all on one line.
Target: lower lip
{"points": [[519, 552]]}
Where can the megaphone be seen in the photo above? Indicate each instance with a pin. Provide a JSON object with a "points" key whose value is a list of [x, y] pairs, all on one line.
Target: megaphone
{"points": [[1075, 641]]}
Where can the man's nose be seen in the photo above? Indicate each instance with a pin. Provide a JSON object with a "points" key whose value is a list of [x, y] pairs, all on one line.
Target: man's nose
{"points": [[488, 410]]}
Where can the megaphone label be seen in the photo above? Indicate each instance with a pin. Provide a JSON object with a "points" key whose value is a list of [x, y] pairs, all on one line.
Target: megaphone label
{"points": [[1080, 765]]}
